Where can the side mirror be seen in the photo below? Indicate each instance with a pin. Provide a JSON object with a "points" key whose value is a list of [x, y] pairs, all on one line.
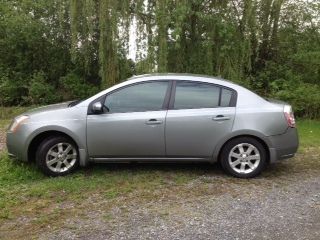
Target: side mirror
{"points": [[97, 107]]}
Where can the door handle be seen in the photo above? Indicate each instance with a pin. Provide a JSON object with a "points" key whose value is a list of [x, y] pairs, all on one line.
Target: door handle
{"points": [[220, 118], [154, 122]]}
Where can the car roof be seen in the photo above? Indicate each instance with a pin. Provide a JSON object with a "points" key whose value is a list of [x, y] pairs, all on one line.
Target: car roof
{"points": [[177, 76], [182, 77], [245, 96]]}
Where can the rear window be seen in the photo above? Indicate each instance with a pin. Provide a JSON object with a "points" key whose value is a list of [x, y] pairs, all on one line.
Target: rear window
{"points": [[226, 96], [196, 95], [190, 95]]}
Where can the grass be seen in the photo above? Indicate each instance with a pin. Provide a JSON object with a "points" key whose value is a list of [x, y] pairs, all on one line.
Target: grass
{"points": [[11, 112], [309, 133], [26, 192]]}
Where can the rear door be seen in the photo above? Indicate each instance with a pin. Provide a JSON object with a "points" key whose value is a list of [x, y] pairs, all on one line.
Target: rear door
{"points": [[199, 115]]}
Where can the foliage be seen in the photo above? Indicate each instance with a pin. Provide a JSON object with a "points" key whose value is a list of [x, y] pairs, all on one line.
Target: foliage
{"points": [[304, 97], [41, 92], [10, 91], [270, 46], [75, 87]]}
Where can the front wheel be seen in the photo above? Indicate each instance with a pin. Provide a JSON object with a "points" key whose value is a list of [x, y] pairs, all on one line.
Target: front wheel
{"points": [[57, 156], [243, 157]]}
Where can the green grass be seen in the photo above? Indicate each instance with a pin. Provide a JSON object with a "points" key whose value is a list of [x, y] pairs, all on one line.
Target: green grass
{"points": [[11, 112], [25, 191], [22, 183], [4, 123], [309, 133]]}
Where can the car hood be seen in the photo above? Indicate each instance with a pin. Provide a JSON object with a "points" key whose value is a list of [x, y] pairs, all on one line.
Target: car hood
{"points": [[48, 108]]}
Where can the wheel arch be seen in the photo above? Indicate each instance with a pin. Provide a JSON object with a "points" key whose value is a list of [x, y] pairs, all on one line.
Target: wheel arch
{"points": [[40, 137], [257, 136]]}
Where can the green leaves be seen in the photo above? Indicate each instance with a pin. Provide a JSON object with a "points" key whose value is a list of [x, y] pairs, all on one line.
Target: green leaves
{"points": [[267, 45], [74, 87], [40, 91]]}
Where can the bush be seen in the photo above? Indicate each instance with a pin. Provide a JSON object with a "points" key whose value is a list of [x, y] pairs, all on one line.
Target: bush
{"points": [[75, 87], [12, 90], [40, 91], [304, 98], [283, 83]]}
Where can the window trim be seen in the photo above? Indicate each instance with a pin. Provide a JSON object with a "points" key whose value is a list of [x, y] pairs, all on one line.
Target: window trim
{"points": [[233, 99], [102, 98]]}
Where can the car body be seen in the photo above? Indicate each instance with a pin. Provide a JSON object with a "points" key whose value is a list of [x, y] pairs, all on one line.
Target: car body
{"points": [[159, 117]]}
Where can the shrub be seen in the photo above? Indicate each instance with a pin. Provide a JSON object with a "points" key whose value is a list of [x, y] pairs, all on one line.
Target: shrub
{"points": [[283, 83], [75, 87], [12, 90], [304, 98], [40, 91]]}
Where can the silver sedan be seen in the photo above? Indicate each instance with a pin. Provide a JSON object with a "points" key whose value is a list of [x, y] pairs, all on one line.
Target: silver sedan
{"points": [[159, 117]]}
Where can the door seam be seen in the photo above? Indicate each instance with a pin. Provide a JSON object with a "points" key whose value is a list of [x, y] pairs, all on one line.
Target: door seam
{"points": [[165, 134]]}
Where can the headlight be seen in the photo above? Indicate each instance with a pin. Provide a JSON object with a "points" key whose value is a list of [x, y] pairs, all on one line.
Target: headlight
{"points": [[17, 122]]}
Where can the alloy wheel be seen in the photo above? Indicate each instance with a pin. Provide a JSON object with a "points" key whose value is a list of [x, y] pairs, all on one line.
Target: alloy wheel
{"points": [[61, 157], [244, 158]]}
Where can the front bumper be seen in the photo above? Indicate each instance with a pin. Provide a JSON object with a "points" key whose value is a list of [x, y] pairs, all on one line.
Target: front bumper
{"points": [[284, 145], [12, 156], [16, 145]]}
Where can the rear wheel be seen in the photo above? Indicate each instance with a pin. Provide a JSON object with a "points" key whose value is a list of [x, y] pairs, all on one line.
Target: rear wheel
{"points": [[57, 156], [243, 157]]}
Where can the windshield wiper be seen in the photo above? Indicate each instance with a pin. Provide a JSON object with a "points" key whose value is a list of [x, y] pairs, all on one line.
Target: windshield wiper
{"points": [[74, 103]]}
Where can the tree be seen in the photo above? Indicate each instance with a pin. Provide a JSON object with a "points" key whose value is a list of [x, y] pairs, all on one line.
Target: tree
{"points": [[271, 46]]}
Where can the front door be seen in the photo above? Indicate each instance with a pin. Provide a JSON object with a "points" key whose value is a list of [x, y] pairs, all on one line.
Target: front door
{"points": [[133, 124]]}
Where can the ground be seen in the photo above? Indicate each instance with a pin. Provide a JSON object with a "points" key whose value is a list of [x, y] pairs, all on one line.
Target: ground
{"points": [[164, 201]]}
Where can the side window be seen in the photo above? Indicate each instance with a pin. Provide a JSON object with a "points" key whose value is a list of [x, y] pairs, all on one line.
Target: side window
{"points": [[141, 97], [196, 95], [225, 97]]}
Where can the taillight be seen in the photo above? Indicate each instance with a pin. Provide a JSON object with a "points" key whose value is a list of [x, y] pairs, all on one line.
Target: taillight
{"points": [[288, 113]]}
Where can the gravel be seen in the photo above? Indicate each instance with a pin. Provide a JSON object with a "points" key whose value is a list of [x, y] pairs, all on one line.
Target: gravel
{"points": [[252, 209], [282, 204]]}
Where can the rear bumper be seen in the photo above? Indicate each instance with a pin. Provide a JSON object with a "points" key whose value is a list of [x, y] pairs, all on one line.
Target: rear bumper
{"points": [[284, 146]]}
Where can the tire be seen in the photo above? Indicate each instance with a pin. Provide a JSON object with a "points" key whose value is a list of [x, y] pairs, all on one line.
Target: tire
{"points": [[57, 156], [243, 157]]}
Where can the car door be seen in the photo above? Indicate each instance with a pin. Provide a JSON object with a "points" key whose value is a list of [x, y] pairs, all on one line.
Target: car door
{"points": [[199, 115], [133, 125]]}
